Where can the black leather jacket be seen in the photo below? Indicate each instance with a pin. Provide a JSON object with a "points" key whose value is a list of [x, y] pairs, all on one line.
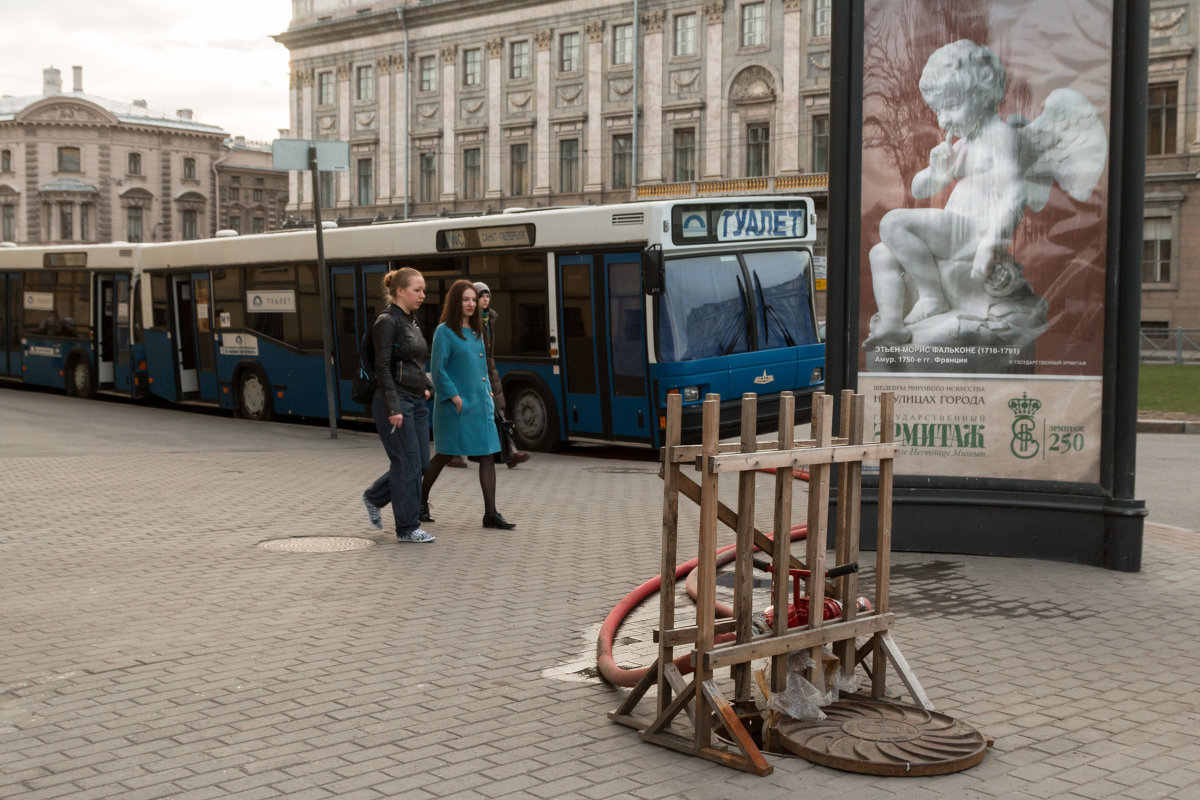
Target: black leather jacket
{"points": [[400, 355]]}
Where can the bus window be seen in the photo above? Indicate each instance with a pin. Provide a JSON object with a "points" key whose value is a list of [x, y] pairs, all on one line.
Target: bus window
{"points": [[780, 281], [702, 310]]}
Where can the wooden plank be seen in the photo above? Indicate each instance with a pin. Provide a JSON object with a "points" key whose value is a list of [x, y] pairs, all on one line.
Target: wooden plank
{"points": [[849, 512], [677, 704], [734, 727], [905, 673], [637, 723], [671, 741], [818, 527], [690, 452], [822, 453], [634, 697], [743, 568], [803, 638], [678, 686], [706, 570], [680, 636], [670, 542], [727, 759], [782, 522], [883, 539]]}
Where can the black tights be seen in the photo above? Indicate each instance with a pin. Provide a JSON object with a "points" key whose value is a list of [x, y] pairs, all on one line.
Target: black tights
{"points": [[487, 479]]}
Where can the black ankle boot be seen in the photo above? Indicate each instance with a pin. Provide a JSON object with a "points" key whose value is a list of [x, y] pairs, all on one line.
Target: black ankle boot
{"points": [[497, 521]]}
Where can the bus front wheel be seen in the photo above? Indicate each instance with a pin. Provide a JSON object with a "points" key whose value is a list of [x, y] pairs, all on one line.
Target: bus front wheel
{"points": [[254, 395], [533, 420], [79, 377]]}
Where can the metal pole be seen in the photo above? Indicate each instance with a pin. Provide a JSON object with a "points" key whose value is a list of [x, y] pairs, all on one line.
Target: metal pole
{"points": [[637, 77], [323, 279]]}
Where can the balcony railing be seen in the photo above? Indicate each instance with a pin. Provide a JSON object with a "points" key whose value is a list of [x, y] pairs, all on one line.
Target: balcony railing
{"points": [[777, 184]]}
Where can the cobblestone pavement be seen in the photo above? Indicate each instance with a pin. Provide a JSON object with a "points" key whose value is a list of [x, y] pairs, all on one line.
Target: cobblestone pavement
{"points": [[150, 647]]}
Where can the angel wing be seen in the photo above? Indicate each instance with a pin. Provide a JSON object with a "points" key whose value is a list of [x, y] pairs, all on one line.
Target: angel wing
{"points": [[1067, 144]]}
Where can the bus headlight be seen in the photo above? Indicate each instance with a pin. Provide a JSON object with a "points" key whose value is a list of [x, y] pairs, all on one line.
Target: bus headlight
{"points": [[818, 375], [691, 394]]}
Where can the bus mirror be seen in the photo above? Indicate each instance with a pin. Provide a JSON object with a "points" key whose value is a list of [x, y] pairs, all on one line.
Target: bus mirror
{"points": [[652, 270]]}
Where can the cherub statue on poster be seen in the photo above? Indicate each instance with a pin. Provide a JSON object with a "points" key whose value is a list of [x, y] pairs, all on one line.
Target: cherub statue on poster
{"points": [[947, 276]]}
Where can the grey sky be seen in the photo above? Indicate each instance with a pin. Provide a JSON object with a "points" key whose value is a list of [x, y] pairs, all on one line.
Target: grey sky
{"points": [[215, 57]]}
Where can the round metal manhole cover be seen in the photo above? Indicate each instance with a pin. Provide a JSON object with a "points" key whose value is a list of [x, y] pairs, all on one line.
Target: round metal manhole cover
{"points": [[316, 544], [881, 738]]}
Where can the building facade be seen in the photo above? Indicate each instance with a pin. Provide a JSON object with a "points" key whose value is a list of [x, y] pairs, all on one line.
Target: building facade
{"points": [[468, 106], [76, 167]]}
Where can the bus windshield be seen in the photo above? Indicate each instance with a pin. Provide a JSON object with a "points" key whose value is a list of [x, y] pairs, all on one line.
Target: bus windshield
{"points": [[721, 304]]}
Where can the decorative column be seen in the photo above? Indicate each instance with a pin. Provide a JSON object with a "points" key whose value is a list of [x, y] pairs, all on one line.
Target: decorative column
{"points": [[345, 193], [384, 153], [493, 150], [449, 118], [299, 189], [541, 184], [652, 78], [400, 146], [593, 179], [714, 95], [787, 156]]}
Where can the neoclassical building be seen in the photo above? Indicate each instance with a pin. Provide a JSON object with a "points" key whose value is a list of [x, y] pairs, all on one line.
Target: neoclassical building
{"points": [[467, 106], [75, 167]]}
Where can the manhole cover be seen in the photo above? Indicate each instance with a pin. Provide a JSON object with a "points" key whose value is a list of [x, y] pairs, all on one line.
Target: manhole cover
{"points": [[879, 738], [316, 544]]}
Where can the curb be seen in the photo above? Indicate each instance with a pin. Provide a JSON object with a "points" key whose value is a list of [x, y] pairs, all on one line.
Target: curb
{"points": [[1167, 426]]}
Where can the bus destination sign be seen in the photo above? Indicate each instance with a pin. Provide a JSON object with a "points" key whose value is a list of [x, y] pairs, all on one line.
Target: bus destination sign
{"points": [[485, 238], [761, 223]]}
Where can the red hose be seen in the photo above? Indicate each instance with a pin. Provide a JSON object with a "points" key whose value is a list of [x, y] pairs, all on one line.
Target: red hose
{"points": [[607, 666]]}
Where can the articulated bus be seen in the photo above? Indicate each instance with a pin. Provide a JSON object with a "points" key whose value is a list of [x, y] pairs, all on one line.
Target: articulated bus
{"points": [[603, 311]]}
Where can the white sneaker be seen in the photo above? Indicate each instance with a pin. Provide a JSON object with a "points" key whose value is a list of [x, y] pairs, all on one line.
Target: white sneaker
{"points": [[373, 513], [416, 535]]}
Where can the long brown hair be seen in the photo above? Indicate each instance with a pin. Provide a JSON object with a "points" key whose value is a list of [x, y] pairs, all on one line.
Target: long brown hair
{"points": [[397, 279], [452, 315]]}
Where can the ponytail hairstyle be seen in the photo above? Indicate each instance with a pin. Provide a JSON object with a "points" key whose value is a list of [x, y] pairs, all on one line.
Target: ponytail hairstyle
{"points": [[397, 279]]}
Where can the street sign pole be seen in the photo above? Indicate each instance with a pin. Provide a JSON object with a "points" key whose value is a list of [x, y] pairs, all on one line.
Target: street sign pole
{"points": [[323, 279]]}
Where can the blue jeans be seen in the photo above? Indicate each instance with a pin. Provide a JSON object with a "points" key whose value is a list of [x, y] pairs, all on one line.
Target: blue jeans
{"points": [[408, 454]]}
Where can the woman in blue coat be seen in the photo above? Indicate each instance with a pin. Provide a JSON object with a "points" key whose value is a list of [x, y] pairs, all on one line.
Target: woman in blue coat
{"points": [[464, 414]]}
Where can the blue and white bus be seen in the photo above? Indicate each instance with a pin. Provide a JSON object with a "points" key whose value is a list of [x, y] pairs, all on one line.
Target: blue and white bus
{"points": [[603, 311]]}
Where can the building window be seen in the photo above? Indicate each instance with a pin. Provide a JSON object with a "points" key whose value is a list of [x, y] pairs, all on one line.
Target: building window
{"points": [[820, 144], [472, 174], [235, 193], [258, 225], [366, 186], [326, 185], [622, 44], [84, 217], [235, 222], [5, 160], [518, 60], [622, 164], [189, 169], [758, 150], [685, 155], [685, 35], [325, 88], [188, 220], [66, 221], [134, 166], [472, 67], [754, 24], [1156, 250], [820, 17], [133, 224], [428, 172], [568, 52], [568, 165], [428, 74], [1162, 108], [364, 82], [68, 159], [518, 169], [10, 222]]}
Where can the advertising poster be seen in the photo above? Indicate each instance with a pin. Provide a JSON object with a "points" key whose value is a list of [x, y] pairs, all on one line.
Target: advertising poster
{"points": [[984, 232]]}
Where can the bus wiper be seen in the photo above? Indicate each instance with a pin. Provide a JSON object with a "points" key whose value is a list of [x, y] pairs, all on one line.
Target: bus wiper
{"points": [[738, 322], [772, 314]]}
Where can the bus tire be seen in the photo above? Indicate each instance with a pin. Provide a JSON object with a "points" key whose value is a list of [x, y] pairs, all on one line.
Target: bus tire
{"points": [[80, 381], [253, 395], [533, 418]]}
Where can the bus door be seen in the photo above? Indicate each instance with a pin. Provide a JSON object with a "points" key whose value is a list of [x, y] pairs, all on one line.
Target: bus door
{"points": [[112, 331], [10, 323], [184, 310], [122, 320], [583, 408], [357, 300], [627, 368]]}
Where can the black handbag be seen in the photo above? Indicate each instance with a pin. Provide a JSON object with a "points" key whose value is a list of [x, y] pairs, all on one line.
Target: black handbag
{"points": [[505, 430], [362, 390]]}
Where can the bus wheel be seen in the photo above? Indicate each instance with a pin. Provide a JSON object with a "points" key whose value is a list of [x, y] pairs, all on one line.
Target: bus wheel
{"points": [[533, 419], [254, 395], [79, 377]]}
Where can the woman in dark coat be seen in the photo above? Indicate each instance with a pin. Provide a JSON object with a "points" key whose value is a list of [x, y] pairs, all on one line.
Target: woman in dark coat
{"points": [[464, 414], [489, 317], [399, 408]]}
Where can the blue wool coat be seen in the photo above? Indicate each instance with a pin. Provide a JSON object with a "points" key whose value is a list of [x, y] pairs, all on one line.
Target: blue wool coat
{"points": [[460, 368]]}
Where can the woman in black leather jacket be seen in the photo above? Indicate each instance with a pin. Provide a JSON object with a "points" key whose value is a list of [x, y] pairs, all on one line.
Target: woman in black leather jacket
{"points": [[398, 408]]}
